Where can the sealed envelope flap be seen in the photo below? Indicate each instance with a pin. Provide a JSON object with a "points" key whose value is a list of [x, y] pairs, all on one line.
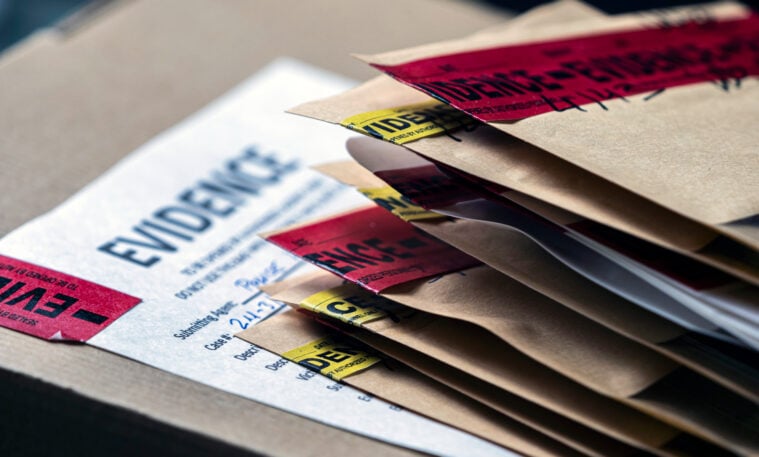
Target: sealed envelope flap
{"points": [[408, 388], [640, 142], [370, 96], [485, 356]]}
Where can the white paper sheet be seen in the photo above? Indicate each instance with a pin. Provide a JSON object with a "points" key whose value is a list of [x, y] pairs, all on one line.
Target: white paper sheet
{"points": [[198, 282]]}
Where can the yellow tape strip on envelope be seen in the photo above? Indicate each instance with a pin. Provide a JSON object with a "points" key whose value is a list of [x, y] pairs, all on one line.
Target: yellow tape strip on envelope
{"points": [[393, 201], [331, 358], [347, 304], [408, 123]]}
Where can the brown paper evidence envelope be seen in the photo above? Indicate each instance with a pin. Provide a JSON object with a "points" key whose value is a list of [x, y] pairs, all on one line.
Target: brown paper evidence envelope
{"points": [[508, 161], [75, 100], [578, 348], [556, 426], [519, 165], [552, 424], [410, 389], [714, 186], [486, 357], [562, 341], [518, 257]]}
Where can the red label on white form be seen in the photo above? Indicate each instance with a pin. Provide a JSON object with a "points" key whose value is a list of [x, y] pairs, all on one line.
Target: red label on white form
{"points": [[54, 305]]}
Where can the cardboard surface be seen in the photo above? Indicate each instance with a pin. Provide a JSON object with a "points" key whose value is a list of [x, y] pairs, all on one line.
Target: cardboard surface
{"points": [[78, 100]]}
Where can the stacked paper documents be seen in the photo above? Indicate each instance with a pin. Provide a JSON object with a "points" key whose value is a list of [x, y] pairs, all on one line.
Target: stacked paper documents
{"points": [[560, 247]]}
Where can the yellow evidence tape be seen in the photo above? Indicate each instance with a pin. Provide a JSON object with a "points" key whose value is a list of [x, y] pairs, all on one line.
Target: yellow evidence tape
{"points": [[348, 304], [393, 201], [331, 358], [410, 122]]}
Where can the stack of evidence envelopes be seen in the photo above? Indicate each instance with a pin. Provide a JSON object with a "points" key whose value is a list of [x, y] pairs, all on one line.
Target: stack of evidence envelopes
{"points": [[562, 253]]}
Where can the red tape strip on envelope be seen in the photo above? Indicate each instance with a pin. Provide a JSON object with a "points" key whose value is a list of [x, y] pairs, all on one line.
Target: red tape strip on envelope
{"points": [[372, 248], [56, 306], [514, 82]]}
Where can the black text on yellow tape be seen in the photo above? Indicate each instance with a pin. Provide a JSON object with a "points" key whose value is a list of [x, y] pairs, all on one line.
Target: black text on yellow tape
{"points": [[331, 358], [411, 122], [393, 201], [352, 305]]}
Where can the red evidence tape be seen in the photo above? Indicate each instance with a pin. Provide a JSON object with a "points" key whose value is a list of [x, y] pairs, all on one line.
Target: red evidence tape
{"points": [[373, 248], [54, 305], [514, 82]]}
